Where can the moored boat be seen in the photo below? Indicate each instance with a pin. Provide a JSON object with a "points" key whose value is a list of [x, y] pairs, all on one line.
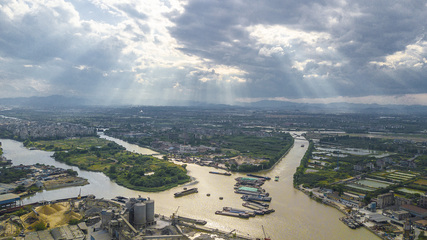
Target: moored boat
{"points": [[186, 192], [256, 198], [258, 176], [232, 214], [220, 173]]}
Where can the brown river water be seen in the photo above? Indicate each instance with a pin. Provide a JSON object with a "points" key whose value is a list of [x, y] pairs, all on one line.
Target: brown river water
{"points": [[296, 217]]}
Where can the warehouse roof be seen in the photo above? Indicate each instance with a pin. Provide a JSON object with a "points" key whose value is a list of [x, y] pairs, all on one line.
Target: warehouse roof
{"points": [[8, 198]]}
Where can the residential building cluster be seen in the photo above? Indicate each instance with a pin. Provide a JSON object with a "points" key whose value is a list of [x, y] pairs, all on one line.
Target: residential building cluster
{"points": [[22, 129], [41, 176]]}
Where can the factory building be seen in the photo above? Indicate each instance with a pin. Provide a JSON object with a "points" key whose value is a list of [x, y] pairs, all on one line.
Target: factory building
{"points": [[8, 200], [385, 200], [401, 215], [414, 210], [141, 212], [137, 214], [423, 201]]}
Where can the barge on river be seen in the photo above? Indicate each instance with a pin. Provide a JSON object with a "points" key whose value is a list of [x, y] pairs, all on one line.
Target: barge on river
{"points": [[192, 220], [186, 192], [256, 198], [220, 173], [232, 214], [350, 222], [257, 176]]}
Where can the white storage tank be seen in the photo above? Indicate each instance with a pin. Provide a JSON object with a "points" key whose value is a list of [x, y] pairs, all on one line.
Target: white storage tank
{"points": [[150, 210], [140, 211]]}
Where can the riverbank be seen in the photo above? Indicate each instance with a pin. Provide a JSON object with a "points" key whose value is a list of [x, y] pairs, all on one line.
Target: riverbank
{"points": [[282, 157], [65, 182], [341, 208]]}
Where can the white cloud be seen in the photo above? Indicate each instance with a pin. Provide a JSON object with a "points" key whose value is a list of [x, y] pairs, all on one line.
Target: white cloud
{"points": [[285, 36], [268, 52], [414, 56]]}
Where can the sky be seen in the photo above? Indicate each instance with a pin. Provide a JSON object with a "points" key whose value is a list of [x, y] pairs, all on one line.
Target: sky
{"points": [[161, 52]]}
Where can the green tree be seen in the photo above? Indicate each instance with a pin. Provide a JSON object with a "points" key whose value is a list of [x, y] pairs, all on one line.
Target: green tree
{"points": [[40, 226], [73, 221], [19, 189]]}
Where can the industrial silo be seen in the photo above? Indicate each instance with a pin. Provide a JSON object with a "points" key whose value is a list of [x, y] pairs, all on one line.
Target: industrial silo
{"points": [[106, 217], [150, 210], [129, 204], [140, 211]]}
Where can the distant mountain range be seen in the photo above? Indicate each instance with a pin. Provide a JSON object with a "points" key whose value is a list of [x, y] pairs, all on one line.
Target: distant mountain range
{"points": [[42, 102], [339, 107], [63, 101]]}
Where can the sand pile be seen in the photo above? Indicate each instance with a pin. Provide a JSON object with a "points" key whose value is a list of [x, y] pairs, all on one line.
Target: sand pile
{"points": [[64, 219], [58, 207], [57, 214], [46, 210]]}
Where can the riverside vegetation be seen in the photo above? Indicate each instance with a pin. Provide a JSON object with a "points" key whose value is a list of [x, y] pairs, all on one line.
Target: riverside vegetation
{"points": [[132, 170]]}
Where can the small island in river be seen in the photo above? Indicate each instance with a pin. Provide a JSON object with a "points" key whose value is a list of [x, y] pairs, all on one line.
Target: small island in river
{"points": [[131, 170]]}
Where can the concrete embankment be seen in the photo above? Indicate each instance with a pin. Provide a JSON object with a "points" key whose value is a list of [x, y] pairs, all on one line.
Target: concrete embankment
{"points": [[212, 230], [68, 183]]}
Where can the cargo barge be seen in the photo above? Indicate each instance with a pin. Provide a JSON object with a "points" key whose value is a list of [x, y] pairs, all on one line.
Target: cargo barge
{"points": [[257, 204], [232, 214], [234, 210], [186, 192], [252, 193], [256, 198], [257, 209], [251, 189], [219, 173], [191, 220], [251, 213], [249, 181], [257, 176], [350, 222]]}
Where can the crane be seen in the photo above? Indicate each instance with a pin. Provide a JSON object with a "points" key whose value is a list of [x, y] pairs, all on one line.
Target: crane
{"points": [[174, 215], [265, 237]]}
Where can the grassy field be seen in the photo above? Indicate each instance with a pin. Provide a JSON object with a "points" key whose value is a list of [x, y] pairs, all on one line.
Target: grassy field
{"points": [[124, 167], [421, 182], [69, 144]]}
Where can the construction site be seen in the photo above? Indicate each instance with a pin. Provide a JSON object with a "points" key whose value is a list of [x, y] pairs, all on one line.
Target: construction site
{"points": [[90, 218]]}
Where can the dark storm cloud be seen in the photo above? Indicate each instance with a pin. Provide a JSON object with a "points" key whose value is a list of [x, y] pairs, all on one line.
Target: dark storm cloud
{"points": [[360, 32], [34, 37], [214, 51], [50, 45]]}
